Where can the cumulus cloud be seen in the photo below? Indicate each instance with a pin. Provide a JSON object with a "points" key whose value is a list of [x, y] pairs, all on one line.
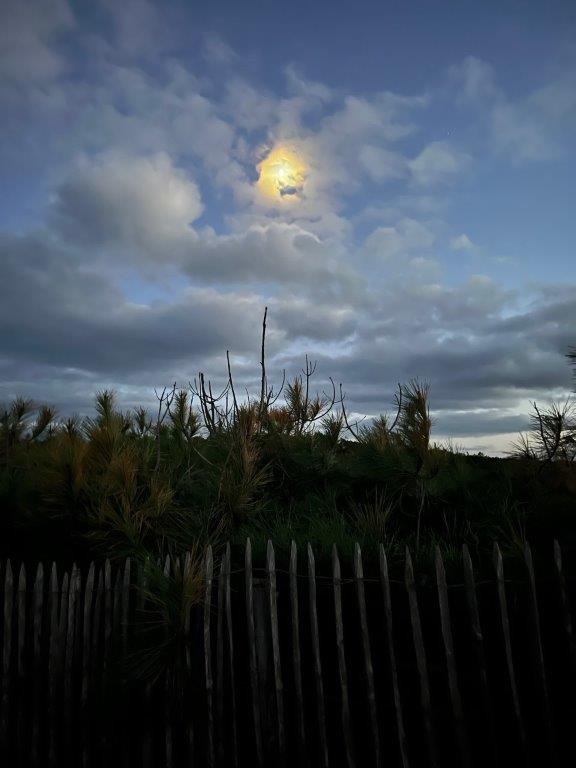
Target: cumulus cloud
{"points": [[461, 243], [143, 204], [438, 163]]}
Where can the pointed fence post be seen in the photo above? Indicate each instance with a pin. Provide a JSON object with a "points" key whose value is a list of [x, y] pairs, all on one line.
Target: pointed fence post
{"points": [[539, 653], [345, 703], [478, 640], [7, 652], [271, 569], [420, 660], [387, 597], [499, 568], [228, 596], [565, 605], [21, 667], [38, 601], [368, 668], [317, 659], [453, 686], [254, 684], [209, 567], [296, 656]]}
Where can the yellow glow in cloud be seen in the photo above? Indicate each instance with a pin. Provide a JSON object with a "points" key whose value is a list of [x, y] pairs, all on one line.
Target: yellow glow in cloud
{"points": [[282, 174]]}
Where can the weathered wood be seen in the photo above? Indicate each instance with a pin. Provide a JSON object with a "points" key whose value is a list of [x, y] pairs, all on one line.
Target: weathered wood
{"points": [[228, 600], [342, 669], [539, 653], [478, 641], [271, 569], [367, 651], [21, 667], [499, 567], [7, 651], [565, 606], [61, 643], [454, 688], [70, 652], [387, 597], [420, 660], [37, 606], [53, 649], [296, 656], [252, 653], [317, 659], [107, 613], [209, 566], [125, 613], [220, 664], [86, 641]]}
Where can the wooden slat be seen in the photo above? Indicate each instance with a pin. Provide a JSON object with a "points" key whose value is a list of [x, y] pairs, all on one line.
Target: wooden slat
{"points": [[125, 612], [220, 665], [539, 653], [478, 641], [53, 599], [387, 597], [367, 651], [228, 595], [499, 567], [37, 606], [565, 607], [317, 659], [107, 614], [296, 656], [86, 641], [209, 566], [21, 667], [342, 669], [59, 658], [454, 688], [271, 569], [420, 660], [252, 653], [70, 652], [7, 651]]}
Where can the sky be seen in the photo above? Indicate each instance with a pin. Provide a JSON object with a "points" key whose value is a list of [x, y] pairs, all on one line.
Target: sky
{"points": [[393, 180]]}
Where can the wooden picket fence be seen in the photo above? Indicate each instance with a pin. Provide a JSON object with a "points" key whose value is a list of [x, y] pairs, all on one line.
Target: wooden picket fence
{"points": [[287, 666]]}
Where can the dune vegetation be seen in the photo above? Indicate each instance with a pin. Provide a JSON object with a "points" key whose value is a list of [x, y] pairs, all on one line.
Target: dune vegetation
{"points": [[286, 465]]}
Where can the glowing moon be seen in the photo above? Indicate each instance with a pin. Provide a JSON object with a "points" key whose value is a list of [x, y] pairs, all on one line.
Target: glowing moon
{"points": [[282, 174]]}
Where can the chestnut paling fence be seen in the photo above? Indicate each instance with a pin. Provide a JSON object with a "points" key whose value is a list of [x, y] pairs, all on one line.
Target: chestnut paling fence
{"points": [[306, 664]]}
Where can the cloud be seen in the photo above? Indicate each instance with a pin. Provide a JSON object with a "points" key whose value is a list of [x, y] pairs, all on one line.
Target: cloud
{"points": [[142, 204], [462, 243], [28, 31], [438, 163]]}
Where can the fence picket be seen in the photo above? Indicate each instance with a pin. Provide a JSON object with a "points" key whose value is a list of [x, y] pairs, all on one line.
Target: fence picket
{"points": [[296, 656], [387, 597], [37, 605], [252, 652], [478, 640], [447, 638], [499, 568], [345, 703], [6, 650], [53, 598], [86, 638], [220, 663], [70, 650], [420, 659], [359, 577], [540, 666], [317, 659], [565, 606], [228, 601], [20, 661], [271, 568], [208, 653]]}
